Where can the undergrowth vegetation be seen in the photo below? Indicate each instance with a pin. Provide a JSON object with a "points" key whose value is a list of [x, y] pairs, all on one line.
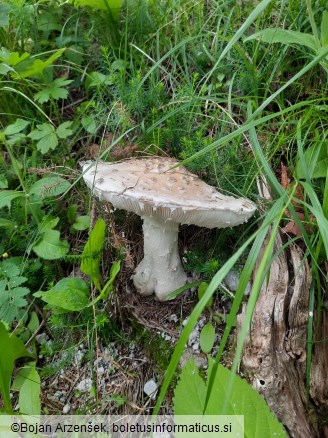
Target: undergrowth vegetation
{"points": [[236, 91]]}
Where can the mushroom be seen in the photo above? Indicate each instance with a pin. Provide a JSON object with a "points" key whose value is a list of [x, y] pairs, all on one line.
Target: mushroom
{"points": [[165, 195]]}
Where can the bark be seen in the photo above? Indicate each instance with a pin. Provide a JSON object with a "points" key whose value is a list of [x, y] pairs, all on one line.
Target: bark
{"points": [[275, 351]]}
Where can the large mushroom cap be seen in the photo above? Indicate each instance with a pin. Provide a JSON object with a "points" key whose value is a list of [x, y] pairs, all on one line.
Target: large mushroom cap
{"points": [[150, 187]]}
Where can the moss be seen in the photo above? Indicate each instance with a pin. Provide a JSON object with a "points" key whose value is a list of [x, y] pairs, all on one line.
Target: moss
{"points": [[157, 349]]}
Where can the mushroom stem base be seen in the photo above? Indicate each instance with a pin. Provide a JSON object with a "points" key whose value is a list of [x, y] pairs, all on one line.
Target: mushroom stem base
{"points": [[161, 270]]}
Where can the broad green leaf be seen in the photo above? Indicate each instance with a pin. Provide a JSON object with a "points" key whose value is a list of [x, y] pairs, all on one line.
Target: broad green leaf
{"points": [[51, 247], [70, 294], [12, 58], [5, 10], [316, 161], [284, 36], [16, 281], [49, 187], [8, 268], [54, 90], [46, 136], [11, 303], [190, 393], [37, 67], [81, 223], [113, 5], [207, 338], [4, 69], [12, 348], [16, 127], [7, 196], [89, 124], [27, 382], [95, 79], [92, 252], [48, 223], [324, 29], [63, 130], [47, 21], [34, 323]]}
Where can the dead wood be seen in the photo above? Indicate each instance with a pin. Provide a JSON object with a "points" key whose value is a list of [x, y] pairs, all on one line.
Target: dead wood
{"points": [[275, 350], [319, 368]]}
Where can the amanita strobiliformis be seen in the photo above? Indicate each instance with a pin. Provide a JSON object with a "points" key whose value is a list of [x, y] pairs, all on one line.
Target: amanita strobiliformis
{"points": [[164, 196]]}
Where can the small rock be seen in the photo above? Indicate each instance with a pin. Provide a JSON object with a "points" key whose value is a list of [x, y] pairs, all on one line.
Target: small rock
{"points": [[189, 353], [150, 389], [78, 356], [41, 338], [231, 280], [174, 318], [85, 385], [195, 346], [66, 408]]}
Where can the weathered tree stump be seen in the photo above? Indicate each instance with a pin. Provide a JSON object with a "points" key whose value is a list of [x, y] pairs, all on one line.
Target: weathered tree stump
{"points": [[275, 350]]}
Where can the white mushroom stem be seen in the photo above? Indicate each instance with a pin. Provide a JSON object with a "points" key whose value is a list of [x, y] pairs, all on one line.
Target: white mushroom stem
{"points": [[160, 271]]}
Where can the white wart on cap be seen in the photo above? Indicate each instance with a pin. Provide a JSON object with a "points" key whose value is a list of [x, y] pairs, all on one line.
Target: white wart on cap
{"points": [[164, 198]]}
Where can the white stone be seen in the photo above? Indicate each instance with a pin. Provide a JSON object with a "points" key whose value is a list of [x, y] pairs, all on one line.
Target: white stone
{"points": [[66, 408], [150, 389], [85, 385], [231, 280]]}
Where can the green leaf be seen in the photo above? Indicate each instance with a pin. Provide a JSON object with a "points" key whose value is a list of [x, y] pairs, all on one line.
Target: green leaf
{"points": [[89, 124], [16, 127], [71, 213], [114, 270], [113, 5], [12, 58], [54, 90], [81, 223], [12, 348], [5, 10], [36, 68], [95, 79], [284, 36], [190, 393], [27, 382], [49, 187], [5, 223], [70, 294], [48, 223], [316, 161], [11, 303], [7, 196], [8, 268], [63, 130], [3, 181], [202, 288], [92, 251], [47, 139], [207, 338], [324, 29], [51, 247], [47, 21], [34, 323]]}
